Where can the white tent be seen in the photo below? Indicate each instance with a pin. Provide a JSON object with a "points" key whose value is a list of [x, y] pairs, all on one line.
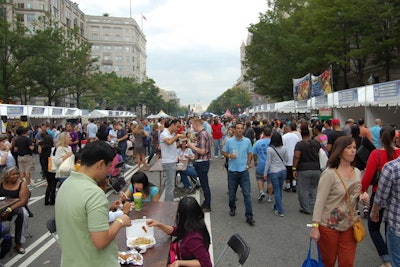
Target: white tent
{"points": [[160, 114]]}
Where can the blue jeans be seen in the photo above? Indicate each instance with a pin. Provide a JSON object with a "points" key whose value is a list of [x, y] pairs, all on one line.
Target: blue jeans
{"points": [[277, 180], [234, 180], [122, 148], [374, 229], [202, 168], [217, 147], [393, 243], [190, 171]]}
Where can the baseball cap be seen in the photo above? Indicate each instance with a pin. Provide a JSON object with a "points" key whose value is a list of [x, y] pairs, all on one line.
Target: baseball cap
{"points": [[335, 122]]}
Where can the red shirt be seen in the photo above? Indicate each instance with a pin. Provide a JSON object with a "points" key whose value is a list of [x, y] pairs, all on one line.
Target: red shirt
{"points": [[216, 131], [372, 166]]}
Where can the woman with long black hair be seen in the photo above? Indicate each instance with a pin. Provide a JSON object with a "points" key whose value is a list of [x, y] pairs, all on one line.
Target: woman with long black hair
{"points": [[193, 238], [377, 159]]}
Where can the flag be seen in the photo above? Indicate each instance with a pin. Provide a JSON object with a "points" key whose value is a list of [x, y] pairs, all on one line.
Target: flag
{"points": [[143, 17]]}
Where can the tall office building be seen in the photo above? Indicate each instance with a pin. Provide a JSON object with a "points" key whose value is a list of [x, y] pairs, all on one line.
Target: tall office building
{"points": [[118, 44]]}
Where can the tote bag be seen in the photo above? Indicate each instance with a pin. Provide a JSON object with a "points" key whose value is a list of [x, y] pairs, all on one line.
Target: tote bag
{"points": [[67, 165], [310, 262], [323, 159]]}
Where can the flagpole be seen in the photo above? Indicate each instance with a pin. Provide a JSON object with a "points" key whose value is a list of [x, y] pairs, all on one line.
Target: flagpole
{"points": [[130, 8]]}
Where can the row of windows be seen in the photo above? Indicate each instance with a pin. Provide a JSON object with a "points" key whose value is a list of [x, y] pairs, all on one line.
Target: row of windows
{"points": [[116, 58], [117, 68], [29, 6], [108, 48], [108, 37]]}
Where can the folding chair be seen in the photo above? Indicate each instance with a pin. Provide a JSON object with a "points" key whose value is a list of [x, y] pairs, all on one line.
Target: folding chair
{"points": [[51, 226], [239, 246]]}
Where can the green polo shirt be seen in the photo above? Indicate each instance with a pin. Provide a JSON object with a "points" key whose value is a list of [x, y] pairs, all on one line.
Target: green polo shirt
{"points": [[81, 208]]}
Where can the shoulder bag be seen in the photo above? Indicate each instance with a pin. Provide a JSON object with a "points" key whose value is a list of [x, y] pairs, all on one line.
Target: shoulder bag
{"points": [[310, 262], [51, 166], [377, 173], [174, 253], [358, 227], [363, 152], [67, 165], [278, 155]]}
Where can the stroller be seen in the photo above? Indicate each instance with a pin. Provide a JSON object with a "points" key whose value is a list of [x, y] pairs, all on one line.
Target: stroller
{"points": [[116, 179]]}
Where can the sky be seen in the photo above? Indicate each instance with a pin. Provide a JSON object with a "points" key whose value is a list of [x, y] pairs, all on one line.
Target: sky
{"points": [[193, 47]]}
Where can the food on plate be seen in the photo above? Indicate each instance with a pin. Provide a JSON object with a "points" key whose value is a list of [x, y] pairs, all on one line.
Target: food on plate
{"points": [[124, 256], [144, 229], [140, 241]]}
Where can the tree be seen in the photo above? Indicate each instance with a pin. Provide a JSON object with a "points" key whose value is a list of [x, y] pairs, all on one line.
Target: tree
{"points": [[14, 47]]}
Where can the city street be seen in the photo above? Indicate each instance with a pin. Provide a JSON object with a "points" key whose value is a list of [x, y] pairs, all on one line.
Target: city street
{"points": [[274, 241]]}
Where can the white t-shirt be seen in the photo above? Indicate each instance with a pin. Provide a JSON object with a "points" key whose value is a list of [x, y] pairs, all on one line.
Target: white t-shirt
{"points": [[168, 152], [289, 141]]}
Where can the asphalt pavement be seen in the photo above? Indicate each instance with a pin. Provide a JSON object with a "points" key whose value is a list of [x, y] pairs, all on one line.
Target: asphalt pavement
{"points": [[273, 240]]}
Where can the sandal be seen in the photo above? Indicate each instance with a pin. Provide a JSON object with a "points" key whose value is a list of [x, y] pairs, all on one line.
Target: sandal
{"points": [[20, 250]]}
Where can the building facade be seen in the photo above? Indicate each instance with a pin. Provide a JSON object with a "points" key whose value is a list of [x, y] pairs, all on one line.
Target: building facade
{"points": [[118, 44]]}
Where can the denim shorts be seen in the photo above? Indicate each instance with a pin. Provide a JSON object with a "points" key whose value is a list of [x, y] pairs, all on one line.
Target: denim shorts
{"points": [[260, 176]]}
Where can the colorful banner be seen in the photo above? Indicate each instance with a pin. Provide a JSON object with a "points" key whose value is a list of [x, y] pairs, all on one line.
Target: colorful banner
{"points": [[301, 88], [322, 84]]}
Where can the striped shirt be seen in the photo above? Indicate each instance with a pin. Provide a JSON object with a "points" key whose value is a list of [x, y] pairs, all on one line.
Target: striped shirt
{"points": [[388, 194]]}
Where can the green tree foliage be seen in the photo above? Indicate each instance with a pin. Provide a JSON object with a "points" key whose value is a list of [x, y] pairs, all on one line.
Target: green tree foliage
{"points": [[14, 47], [232, 99], [294, 38]]}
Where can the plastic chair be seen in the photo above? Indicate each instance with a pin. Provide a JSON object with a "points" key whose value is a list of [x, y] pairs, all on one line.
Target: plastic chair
{"points": [[51, 226], [239, 246]]}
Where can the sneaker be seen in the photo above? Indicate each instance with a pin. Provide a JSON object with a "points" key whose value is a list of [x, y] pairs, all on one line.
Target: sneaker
{"points": [[216, 157], [250, 221], [279, 214], [366, 211], [293, 189], [269, 200], [232, 212], [287, 189], [261, 196]]}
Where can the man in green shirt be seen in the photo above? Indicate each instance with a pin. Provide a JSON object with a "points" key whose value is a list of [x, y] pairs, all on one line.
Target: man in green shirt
{"points": [[85, 235]]}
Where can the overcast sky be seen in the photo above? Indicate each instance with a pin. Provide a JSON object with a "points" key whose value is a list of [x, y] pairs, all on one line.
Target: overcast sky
{"points": [[193, 47]]}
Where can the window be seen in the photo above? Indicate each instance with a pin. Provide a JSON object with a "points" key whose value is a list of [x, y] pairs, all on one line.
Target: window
{"points": [[127, 59], [107, 29], [118, 30], [107, 58], [118, 37], [118, 48], [95, 36], [29, 5], [118, 68], [107, 68], [107, 48], [106, 37], [21, 5], [20, 18], [94, 28], [118, 58], [127, 49], [95, 48], [30, 18], [42, 6]]}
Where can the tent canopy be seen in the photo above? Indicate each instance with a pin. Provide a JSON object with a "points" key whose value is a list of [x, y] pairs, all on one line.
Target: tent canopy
{"points": [[227, 114], [160, 114]]}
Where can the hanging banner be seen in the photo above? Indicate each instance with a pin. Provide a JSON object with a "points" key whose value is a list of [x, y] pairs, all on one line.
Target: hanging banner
{"points": [[301, 88], [322, 84]]}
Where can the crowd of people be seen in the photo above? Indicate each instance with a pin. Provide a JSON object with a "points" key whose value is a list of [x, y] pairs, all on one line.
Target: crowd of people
{"points": [[286, 157]]}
